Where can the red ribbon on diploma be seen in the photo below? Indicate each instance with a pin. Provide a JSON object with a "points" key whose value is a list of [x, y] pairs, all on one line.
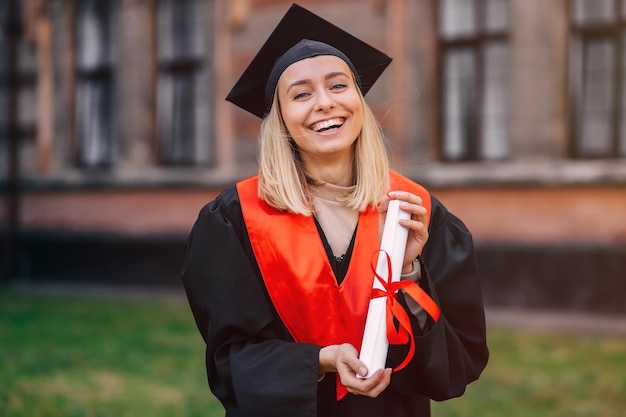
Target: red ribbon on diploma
{"points": [[404, 333]]}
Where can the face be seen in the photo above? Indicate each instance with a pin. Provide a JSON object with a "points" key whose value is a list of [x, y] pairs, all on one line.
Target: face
{"points": [[321, 108]]}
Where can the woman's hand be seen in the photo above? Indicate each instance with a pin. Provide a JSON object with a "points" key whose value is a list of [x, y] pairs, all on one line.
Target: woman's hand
{"points": [[344, 360], [418, 231]]}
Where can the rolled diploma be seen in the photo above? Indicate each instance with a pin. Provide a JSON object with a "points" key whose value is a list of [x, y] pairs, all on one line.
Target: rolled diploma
{"points": [[375, 344]]}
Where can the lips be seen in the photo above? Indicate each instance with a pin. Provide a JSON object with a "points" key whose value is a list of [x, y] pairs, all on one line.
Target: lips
{"points": [[329, 124]]}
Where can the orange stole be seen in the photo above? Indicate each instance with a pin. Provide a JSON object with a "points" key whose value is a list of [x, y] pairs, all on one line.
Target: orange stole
{"points": [[297, 273]]}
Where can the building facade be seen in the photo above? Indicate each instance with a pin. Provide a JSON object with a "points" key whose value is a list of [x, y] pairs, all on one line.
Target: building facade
{"points": [[512, 112]]}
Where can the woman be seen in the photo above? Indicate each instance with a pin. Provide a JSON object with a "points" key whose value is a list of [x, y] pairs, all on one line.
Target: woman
{"points": [[279, 271]]}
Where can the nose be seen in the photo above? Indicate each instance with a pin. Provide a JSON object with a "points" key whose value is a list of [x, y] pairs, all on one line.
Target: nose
{"points": [[324, 101]]}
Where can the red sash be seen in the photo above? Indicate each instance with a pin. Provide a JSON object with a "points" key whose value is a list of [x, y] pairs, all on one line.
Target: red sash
{"points": [[298, 274]]}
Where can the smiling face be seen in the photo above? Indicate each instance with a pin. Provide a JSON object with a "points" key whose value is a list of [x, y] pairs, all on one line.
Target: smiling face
{"points": [[321, 108]]}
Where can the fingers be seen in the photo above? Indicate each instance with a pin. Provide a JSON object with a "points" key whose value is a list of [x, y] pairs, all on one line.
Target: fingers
{"points": [[351, 363], [384, 204], [349, 368], [405, 196], [417, 223], [411, 203], [347, 360], [372, 386]]}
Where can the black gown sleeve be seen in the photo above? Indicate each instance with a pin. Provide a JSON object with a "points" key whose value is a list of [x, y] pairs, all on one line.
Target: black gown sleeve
{"points": [[453, 352], [253, 365], [256, 369]]}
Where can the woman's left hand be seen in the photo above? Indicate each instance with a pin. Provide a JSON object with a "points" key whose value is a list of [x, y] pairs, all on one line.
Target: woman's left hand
{"points": [[418, 231]]}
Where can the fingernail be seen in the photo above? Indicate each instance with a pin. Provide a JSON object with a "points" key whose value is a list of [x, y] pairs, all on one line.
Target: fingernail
{"points": [[362, 371]]}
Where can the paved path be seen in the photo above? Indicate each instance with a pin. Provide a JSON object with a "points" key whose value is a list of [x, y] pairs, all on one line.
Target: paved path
{"points": [[99, 290], [576, 321]]}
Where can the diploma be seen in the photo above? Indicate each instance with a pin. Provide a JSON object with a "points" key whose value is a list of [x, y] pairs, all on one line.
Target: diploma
{"points": [[393, 244]]}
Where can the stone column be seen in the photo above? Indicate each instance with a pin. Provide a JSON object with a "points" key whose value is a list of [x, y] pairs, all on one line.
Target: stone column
{"points": [[413, 90], [539, 54], [135, 72], [399, 83], [64, 61], [424, 96], [39, 31]]}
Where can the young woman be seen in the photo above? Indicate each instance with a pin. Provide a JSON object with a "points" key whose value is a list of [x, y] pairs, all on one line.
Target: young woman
{"points": [[279, 267]]}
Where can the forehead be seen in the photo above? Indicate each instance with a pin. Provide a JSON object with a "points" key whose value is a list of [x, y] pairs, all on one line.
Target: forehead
{"points": [[315, 67]]}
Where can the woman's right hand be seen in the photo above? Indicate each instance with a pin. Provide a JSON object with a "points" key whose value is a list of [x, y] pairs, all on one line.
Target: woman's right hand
{"points": [[344, 360]]}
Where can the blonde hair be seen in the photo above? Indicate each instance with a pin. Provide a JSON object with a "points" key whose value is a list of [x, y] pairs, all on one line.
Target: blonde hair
{"points": [[282, 177]]}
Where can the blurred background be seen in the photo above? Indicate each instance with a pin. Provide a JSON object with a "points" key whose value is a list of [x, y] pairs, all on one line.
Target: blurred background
{"points": [[114, 133]]}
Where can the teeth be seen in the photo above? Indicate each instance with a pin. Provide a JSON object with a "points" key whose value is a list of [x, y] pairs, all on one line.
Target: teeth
{"points": [[327, 124]]}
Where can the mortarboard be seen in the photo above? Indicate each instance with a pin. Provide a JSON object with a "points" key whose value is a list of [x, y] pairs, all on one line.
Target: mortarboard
{"points": [[298, 24]]}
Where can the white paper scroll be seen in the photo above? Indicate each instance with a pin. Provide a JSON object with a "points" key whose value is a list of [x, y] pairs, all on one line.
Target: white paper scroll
{"points": [[375, 344]]}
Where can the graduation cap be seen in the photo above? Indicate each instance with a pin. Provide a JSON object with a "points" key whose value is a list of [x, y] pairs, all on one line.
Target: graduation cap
{"points": [[301, 34]]}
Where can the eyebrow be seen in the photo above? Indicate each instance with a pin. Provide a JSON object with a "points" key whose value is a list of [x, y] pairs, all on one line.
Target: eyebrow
{"points": [[327, 77]]}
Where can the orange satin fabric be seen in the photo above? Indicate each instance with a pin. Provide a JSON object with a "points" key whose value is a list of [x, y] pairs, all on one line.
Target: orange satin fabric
{"points": [[298, 275]]}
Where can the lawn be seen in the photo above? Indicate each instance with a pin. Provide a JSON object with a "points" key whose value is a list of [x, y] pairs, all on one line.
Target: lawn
{"points": [[84, 356]]}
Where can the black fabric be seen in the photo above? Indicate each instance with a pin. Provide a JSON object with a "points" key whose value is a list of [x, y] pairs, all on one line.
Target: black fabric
{"points": [[339, 264], [298, 24], [256, 369]]}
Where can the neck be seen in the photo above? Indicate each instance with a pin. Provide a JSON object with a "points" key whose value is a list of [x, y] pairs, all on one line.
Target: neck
{"points": [[335, 168], [338, 174]]}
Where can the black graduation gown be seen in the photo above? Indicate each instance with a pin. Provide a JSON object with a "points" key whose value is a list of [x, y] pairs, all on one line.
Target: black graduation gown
{"points": [[256, 369]]}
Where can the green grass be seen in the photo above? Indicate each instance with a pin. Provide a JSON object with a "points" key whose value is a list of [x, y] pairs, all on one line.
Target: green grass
{"points": [[96, 357], [546, 373], [70, 356]]}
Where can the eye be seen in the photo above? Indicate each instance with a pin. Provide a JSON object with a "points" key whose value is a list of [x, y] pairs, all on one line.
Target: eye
{"points": [[301, 96], [338, 86]]}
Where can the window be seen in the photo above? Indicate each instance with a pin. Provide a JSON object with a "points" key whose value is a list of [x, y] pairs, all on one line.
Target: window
{"points": [[95, 133], [598, 66], [183, 98], [475, 79]]}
